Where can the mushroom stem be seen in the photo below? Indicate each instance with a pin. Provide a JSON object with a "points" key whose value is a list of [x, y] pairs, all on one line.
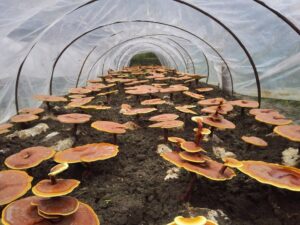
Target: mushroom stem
{"points": [[53, 180], [171, 96], [212, 129], [75, 130], [115, 140], [187, 195], [242, 111], [108, 99], [166, 134], [222, 170], [248, 147]]}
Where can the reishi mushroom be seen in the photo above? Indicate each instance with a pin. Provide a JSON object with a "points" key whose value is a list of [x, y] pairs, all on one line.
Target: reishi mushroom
{"points": [[256, 141], [29, 157], [290, 132], [13, 185]]}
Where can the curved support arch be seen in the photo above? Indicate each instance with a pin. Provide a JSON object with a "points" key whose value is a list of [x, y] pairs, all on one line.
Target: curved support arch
{"points": [[208, 68], [171, 35], [134, 21], [121, 44], [175, 48], [102, 26]]}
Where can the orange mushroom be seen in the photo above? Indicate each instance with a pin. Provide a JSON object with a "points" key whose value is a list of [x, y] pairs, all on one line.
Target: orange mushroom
{"points": [[47, 99], [270, 173], [13, 185], [29, 157], [218, 121], [77, 102], [193, 95], [166, 125], [222, 108], [4, 128], [58, 206], [163, 117], [33, 111], [251, 140], [154, 101], [74, 118], [263, 111], [204, 89], [22, 210], [212, 101], [23, 118], [87, 153], [290, 132], [110, 127], [129, 111], [79, 90], [273, 119], [174, 89], [245, 104]]}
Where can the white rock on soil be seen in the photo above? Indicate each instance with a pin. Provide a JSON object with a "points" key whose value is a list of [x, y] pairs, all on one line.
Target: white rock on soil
{"points": [[161, 148], [49, 136], [31, 132], [172, 173], [63, 144], [290, 157]]}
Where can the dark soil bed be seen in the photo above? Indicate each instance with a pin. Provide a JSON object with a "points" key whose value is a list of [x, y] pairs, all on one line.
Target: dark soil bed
{"points": [[130, 188]]}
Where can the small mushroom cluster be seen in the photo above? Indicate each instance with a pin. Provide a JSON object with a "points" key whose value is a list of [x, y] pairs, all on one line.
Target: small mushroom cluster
{"points": [[197, 220]]}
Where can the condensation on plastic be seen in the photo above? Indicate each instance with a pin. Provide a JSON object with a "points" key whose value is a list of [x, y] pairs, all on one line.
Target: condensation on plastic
{"points": [[52, 24]]}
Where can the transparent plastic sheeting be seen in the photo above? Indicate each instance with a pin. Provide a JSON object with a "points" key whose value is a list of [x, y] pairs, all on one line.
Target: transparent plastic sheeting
{"points": [[48, 26]]}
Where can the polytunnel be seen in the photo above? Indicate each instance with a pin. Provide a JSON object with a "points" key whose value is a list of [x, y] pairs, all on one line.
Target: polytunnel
{"points": [[227, 88]]}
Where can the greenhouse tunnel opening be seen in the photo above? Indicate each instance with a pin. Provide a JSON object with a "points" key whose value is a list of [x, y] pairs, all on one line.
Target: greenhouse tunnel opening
{"points": [[145, 59]]}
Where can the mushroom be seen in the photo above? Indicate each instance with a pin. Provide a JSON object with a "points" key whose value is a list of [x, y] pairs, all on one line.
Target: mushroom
{"points": [[87, 153], [23, 119], [74, 118], [79, 90], [222, 108], [290, 132], [77, 102], [198, 220], [245, 104], [29, 158], [110, 127], [186, 110], [163, 117], [273, 119], [142, 90], [270, 173], [177, 141], [256, 141], [47, 99], [76, 96], [4, 128], [207, 89], [263, 111], [13, 185], [108, 95], [193, 95], [217, 121], [209, 169], [58, 206], [54, 187], [96, 107], [22, 210], [212, 101], [33, 111], [174, 89], [129, 111], [166, 125], [155, 102]]}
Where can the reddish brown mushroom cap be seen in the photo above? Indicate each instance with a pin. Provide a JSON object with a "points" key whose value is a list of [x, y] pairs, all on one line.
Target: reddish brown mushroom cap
{"points": [[255, 141], [184, 109], [193, 95], [58, 206], [164, 117], [272, 119], [212, 101], [269, 173], [142, 90], [174, 88], [210, 170], [190, 146], [204, 89], [13, 185], [29, 157], [74, 118], [79, 90], [87, 153], [46, 189], [219, 122], [33, 111], [77, 102], [291, 132], [222, 109], [198, 220], [193, 157], [168, 124], [245, 103], [96, 107], [20, 211], [77, 96], [109, 127], [23, 118], [176, 140], [155, 101], [263, 111], [50, 98], [4, 128]]}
